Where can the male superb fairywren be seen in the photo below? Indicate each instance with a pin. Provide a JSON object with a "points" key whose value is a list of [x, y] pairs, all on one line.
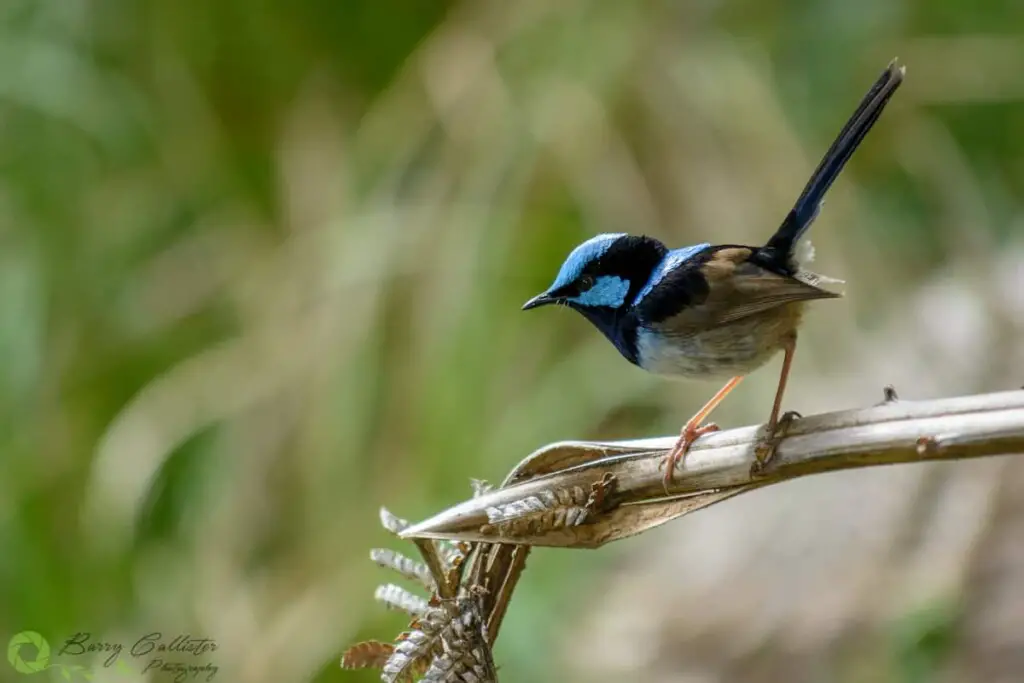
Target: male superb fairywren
{"points": [[710, 311]]}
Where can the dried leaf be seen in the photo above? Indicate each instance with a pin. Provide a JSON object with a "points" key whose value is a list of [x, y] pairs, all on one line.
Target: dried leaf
{"points": [[546, 510], [406, 566], [527, 507], [370, 654], [550, 510], [398, 598]]}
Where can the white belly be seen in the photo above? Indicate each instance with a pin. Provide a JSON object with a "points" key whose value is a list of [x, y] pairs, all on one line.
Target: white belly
{"points": [[720, 352]]}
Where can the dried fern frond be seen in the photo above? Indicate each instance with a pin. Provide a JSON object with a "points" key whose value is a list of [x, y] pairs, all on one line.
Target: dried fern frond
{"points": [[370, 654], [451, 633], [471, 584], [468, 658], [452, 638], [392, 523], [549, 509], [547, 501], [415, 648], [406, 566], [398, 598]]}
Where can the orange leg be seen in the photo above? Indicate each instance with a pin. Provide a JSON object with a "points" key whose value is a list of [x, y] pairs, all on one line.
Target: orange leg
{"points": [[694, 430], [787, 363], [765, 454]]}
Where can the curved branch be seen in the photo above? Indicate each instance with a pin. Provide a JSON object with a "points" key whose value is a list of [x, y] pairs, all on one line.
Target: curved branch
{"points": [[585, 494]]}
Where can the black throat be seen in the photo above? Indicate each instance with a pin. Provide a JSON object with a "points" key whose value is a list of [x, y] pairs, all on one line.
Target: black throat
{"points": [[618, 324]]}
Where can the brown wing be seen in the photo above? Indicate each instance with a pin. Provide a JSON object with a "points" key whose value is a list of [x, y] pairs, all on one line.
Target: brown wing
{"points": [[738, 289]]}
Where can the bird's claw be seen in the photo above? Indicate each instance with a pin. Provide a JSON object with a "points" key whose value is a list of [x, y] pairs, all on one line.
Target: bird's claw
{"points": [[764, 452], [689, 434]]}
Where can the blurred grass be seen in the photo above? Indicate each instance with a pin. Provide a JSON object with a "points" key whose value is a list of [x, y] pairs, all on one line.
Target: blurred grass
{"points": [[922, 642], [262, 267]]}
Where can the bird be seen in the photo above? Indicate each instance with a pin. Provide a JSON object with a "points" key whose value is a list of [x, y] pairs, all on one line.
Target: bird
{"points": [[712, 311]]}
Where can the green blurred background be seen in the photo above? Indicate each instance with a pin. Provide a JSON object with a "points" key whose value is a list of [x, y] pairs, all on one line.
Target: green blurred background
{"points": [[262, 264]]}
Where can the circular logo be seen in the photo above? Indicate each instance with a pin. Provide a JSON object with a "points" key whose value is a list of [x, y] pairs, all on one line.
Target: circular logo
{"points": [[32, 666]]}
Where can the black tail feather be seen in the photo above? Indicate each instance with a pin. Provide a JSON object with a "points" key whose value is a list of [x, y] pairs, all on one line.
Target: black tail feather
{"points": [[777, 253]]}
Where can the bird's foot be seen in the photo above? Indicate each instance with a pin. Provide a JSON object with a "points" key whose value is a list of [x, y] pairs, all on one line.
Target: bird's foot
{"points": [[765, 450], [690, 433]]}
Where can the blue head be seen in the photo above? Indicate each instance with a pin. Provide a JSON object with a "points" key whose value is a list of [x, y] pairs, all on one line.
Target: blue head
{"points": [[601, 278]]}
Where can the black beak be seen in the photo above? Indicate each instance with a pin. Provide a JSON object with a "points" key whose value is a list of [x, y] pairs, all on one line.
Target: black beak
{"points": [[539, 300]]}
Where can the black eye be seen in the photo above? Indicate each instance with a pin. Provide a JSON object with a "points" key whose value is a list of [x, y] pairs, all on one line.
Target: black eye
{"points": [[585, 282]]}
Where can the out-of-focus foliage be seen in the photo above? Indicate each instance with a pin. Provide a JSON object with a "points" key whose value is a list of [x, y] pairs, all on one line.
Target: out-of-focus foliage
{"points": [[261, 267]]}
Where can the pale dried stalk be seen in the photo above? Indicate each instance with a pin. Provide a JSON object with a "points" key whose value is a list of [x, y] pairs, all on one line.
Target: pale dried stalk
{"points": [[536, 506]]}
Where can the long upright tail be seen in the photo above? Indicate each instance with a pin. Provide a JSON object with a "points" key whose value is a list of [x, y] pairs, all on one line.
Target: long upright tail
{"points": [[777, 253]]}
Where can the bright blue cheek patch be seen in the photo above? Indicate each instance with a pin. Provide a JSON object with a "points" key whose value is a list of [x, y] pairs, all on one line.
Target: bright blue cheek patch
{"points": [[607, 291]]}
